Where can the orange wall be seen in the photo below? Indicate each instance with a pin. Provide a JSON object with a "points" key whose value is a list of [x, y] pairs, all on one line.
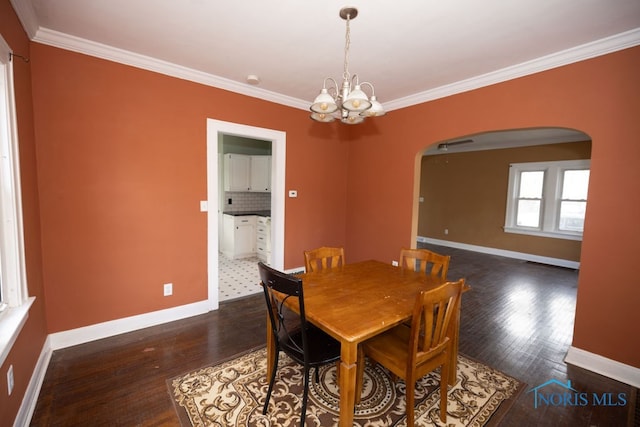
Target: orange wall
{"points": [[111, 205], [122, 168], [600, 97], [26, 350]]}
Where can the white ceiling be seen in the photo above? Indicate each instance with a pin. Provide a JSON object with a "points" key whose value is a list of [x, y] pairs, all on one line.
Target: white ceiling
{"points": [[412, 50], [507, 139]]}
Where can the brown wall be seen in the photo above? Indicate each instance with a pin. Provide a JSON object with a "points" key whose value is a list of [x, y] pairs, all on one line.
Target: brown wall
{"points": [[600, 97], [26, 350], [466, 193]]}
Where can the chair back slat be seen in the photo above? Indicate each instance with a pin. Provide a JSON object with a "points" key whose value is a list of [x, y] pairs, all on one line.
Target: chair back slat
{"points": [[425, 261], [432, 314], [323, 258], [284, 323], [301, 341], [412, 352]]}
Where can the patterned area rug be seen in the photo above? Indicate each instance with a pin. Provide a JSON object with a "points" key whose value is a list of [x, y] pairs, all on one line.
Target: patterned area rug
{"points": [[232, 393]]}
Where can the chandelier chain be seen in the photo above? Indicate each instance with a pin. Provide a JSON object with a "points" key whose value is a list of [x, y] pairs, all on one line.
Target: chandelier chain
{"points": [[347, 43]]}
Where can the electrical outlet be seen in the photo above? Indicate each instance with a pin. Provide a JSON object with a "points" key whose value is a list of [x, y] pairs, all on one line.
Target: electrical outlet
{"points": [[10, 379], [168, 289], [394, 263]]}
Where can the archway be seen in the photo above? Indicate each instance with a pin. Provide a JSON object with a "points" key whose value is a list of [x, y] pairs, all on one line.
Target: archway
{"points": [[463, 188]]}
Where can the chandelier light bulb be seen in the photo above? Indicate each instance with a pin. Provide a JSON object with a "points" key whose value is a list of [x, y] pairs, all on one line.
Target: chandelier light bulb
{"points": [[375, 110], [322, 117]]}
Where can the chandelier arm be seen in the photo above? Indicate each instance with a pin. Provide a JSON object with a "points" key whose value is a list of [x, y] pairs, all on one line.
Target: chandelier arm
{"points": [[335, 87], [373, 90]]}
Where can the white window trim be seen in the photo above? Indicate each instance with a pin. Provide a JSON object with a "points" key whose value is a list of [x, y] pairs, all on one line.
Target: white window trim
{"points": [[551, 195], [14, 309]]}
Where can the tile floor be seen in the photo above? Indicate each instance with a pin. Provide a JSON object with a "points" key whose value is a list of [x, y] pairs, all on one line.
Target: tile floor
{"points": [[238, 278]]}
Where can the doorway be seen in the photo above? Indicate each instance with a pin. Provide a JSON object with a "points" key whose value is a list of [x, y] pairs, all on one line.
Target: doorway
{"points": [[238, 276], [216, 130]]}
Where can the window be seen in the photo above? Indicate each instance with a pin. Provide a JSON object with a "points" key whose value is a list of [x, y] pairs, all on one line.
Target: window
{"points": [[573, 200], [529, 199], [14, 300], [548, 198]]}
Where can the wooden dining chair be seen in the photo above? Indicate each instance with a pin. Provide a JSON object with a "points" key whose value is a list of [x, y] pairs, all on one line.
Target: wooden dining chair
{"points": [[411, 353], [323, 258], [425, 261], [301, 341]]}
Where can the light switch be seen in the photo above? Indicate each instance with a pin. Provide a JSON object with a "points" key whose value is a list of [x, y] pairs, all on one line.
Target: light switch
{"points": [[204, 206], [293, 193]]}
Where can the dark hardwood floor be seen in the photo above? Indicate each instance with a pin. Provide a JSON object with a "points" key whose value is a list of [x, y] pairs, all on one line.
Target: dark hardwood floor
{"points": [[517, 318]]}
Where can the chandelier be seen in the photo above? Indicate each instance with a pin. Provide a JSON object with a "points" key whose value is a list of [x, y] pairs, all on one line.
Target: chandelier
{"points": [[349, 102]]}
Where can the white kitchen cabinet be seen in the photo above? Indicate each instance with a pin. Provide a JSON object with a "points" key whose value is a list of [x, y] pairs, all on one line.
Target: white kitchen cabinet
{"points": [[247, 173], [239, 236], [263, 238], [237, 172], [260, 176]]}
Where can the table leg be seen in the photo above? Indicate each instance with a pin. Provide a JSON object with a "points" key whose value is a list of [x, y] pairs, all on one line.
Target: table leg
{"points": [[360, 374], [348, 373], [454, 336], [271, 348]]}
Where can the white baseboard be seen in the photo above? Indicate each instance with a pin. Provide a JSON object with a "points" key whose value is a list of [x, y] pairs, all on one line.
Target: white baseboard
{"points": [[502, 252], [601, 365], [91, 333], [30, 398], [127, 324]]}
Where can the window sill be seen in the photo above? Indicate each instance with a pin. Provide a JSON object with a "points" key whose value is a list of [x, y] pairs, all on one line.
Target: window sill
{"points": [[12, 319], [550, 234]]}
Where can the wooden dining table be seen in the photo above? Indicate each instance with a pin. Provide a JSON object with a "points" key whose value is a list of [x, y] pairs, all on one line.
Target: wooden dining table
{"points": [[355, 302]]}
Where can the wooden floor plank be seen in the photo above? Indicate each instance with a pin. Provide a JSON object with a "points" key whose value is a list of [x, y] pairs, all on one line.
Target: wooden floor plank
{"points": [[518, 318]]}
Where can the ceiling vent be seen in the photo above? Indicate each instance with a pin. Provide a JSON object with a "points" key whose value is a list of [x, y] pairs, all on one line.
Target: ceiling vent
{"points": [[445, 145]]}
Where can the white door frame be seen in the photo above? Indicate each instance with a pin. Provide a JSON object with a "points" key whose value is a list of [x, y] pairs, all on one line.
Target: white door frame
{"points": [[278, 158]]}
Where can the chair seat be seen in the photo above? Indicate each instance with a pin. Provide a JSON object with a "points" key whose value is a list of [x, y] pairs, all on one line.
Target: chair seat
{"points": [[412, 352], [391, 346], [322, 347]]}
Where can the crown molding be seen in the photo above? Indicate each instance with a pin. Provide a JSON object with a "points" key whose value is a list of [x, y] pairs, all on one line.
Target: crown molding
{"points": [[27, 15], [590, 50], [99, 50], [600, 47]]}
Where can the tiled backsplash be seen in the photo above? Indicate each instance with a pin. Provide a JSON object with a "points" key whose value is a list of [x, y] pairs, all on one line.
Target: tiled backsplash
{"points": [[246, 201]]}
